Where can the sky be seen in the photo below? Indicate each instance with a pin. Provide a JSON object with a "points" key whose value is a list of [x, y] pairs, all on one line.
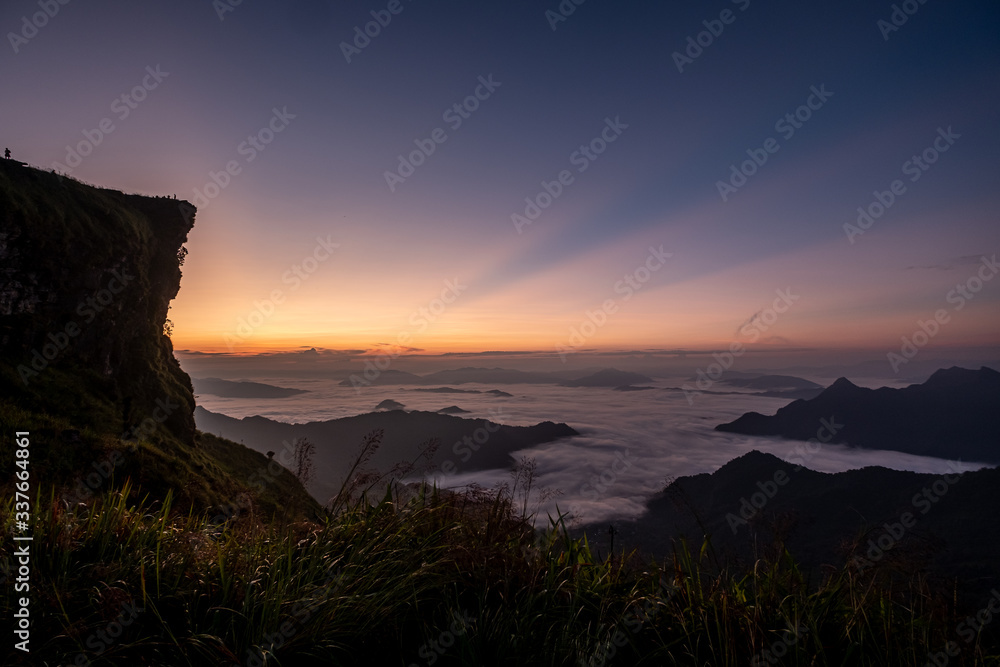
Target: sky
{"points": [[539, 176]]}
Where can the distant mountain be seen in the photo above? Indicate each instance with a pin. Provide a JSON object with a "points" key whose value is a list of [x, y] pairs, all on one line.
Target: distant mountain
{"points": [[386, 377], [459, 376], [453, 410], [790, 394], [228, 389], [488, 376], [629, 387], [473, 375], [389, 404], [954, 415], [447, 390], [828, 519], [917, 370], [771, 382], [609, 377], [452, 390], [466, 445]]}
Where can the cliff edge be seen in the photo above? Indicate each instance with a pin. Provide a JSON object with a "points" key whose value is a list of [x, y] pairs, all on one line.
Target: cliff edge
{"points": [[86, 363]]}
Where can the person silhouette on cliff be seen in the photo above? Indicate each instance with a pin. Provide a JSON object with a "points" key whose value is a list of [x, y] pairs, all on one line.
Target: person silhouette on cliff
{"points": [[6, 153]]}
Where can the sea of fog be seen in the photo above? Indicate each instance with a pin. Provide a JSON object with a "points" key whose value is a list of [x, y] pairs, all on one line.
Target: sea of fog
{"points": [[631, 443]]}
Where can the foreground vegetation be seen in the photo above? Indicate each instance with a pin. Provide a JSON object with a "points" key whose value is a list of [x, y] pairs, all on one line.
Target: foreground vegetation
{"points": [[437, 579]]}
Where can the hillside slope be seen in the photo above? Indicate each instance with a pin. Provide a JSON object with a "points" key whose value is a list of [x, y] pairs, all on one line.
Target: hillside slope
{"points": [[466, 445], [853, 518]]}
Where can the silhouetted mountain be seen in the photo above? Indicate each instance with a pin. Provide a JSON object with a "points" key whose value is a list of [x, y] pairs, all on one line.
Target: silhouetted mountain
{"points": [[447, 390], [828, 519], [954, 415], [771, 382], [790, 394], [917, 370], [389, 404], [488, 376], [389, 376], [459, 376], [452, 390], [228, 389], [467, 445], [609, 377], [467, 375], [629, 387], [453, 410]]}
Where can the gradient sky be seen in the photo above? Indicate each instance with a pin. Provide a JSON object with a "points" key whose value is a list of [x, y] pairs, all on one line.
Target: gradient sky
{"points": [[323, 175]]}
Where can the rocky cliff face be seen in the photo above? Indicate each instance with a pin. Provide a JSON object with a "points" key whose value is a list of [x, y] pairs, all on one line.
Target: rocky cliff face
{"points": [[86, 278]]}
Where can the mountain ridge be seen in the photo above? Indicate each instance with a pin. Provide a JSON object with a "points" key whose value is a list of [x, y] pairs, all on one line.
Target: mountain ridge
{"points": [[954, 414]]}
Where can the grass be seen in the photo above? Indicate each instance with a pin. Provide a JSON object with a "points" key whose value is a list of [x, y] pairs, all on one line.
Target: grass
{"points": [[439, 579], [212, 476]]}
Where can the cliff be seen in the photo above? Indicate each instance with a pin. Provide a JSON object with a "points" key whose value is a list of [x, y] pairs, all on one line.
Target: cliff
{"points": [[86, 278]]}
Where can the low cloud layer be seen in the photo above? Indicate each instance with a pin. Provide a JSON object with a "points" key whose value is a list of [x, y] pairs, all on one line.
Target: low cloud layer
{"points": [[631, 444]]}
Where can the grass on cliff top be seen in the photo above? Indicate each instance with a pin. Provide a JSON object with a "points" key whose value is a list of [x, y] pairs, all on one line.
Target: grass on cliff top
{"points": [[86, 217], [214, 475]]}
